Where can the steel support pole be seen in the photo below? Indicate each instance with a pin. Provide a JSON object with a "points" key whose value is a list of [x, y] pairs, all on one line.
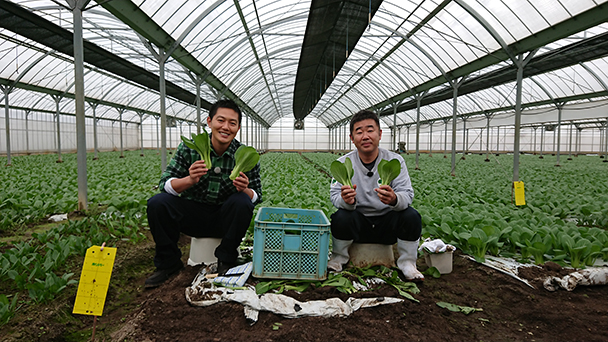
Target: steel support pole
{"points": [[157, 133], [407, 140], [81, 136], [394, 131], [27, 133], [57, 100], [542, 140], [162, 58], [198, 104], [95, 146], [606, 142], [430, 139], [120, 112], [520, 74], [487, 138], [534, 146], [445, 138], [7, 125], [418, 99], [464, 137], [497, 139], [559, 131], [141, 133], [454, 115], [570, 142]]}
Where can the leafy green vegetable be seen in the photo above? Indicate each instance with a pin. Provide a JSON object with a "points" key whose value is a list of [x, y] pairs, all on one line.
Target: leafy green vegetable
{"points": [[246, 158], [342, 172], [388, 170], [201, 144], [457, 308]]}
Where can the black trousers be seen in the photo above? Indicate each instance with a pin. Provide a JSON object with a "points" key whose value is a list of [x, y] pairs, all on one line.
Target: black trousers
{"points": [[383, 229], [169, 215]]}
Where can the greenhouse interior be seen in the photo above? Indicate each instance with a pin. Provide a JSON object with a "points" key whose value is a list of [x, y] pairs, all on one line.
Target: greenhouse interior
{"points": [[499, 109]]}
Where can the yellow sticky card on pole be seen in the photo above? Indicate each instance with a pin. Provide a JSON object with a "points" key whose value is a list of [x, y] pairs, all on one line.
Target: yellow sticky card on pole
{"points": [[94, 281], [520, 197]]}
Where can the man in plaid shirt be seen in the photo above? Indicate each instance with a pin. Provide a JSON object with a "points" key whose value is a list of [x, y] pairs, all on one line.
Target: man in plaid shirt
{"points": [[202, 202]]}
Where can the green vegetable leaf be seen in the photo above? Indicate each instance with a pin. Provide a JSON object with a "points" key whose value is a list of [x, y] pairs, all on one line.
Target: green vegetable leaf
{"points": [[201, 144], [246, 158], [342, 172], [457, 308], [388, 170]]}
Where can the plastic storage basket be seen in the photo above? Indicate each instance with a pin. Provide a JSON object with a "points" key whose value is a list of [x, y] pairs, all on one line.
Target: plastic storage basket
{"points": [[290, 244]]}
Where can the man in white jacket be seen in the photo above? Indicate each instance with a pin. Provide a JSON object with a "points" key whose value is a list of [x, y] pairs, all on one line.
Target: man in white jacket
{"points": [[373, 213]]}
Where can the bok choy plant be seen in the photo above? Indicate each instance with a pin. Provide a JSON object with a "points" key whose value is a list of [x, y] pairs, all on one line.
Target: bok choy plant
{"points": [[388, 170], [343, 172], [201, 144], [246, 158]]}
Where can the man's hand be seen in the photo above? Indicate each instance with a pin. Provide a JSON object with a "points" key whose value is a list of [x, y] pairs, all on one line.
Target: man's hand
{"points": [[386, 195], [348, 194], [197, 170], [241, 182]]}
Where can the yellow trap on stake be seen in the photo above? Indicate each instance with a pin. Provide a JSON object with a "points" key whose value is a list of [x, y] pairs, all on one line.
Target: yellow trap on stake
{"points": [[94, 280], [520, 197]]}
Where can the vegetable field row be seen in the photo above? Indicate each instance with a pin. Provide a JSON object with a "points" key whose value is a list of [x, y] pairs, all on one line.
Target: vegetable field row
{"points": [[565, 218]]}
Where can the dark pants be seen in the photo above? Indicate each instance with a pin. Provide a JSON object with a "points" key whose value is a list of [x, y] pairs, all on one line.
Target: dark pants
{"points": [[169, 215], [384, 229]]}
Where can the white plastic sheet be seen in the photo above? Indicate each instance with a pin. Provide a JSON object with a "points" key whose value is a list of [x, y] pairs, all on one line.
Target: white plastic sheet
{"points": [[204, 293], [589, 276], [58, 217]]}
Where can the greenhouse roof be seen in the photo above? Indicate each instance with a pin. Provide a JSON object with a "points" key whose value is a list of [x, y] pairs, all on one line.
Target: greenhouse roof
{"points": [[325, 59]]}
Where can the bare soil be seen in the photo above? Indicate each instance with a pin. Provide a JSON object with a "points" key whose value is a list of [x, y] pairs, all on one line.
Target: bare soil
{"points": [[512, 311]]}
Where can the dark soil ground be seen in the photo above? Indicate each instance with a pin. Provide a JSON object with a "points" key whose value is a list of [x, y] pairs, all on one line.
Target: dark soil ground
{"points": [[512, 311]]}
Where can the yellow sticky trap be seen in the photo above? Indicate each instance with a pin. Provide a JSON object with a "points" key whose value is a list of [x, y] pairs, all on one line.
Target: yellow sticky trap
{"points": [[520, 197], [94, 281]]}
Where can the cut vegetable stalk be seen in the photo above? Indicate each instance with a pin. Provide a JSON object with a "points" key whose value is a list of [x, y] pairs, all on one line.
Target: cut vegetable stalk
{"points": [[342, 172], [201, 144], [388, 171], [246, 158]]}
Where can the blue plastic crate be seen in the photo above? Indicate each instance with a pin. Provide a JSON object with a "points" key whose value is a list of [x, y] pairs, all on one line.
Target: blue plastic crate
{"points": [[290, 244]]}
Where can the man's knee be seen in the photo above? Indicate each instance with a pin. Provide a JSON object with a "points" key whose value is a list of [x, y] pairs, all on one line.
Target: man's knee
{"points": [[343, 216], [412, 216], [412, 227], [343, 223], [239, 201], [157, 201]]}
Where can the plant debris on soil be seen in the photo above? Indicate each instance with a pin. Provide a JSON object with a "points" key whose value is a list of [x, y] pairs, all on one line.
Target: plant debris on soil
{"points": [[510, 310]]}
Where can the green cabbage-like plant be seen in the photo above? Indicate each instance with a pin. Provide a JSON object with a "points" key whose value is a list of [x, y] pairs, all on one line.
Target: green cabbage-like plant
{"points": [[388, 170], [201, 144], [246, 158], [343, 172]]}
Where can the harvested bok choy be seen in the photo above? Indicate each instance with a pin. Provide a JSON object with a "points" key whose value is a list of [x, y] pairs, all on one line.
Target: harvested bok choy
{"points": [[201, 144], [388, 170], [342, 172], [246, 158]]}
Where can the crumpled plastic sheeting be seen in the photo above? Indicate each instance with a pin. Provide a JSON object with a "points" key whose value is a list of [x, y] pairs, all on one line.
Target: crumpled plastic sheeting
{"points": [[58, 217], [589, 276], [206, 294], [505, 265]]}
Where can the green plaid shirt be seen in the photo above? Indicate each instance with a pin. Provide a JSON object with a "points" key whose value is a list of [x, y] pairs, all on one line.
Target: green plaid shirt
{"points": [[213, 188]]}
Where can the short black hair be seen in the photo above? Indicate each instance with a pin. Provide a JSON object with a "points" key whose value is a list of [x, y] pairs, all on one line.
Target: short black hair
{"points": [[363, 115], [225, 103]]}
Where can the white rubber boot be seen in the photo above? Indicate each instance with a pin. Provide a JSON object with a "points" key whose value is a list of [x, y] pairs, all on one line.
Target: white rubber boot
{"points": [[408, 253], [339, 254]]}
